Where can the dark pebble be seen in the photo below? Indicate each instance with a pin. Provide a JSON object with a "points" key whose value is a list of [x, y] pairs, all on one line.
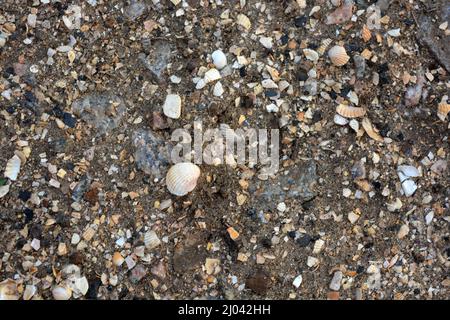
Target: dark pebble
{"points": [[304, 241], [94, 285], [69, 120], [300, 21], [24, 195], [302, 75]]}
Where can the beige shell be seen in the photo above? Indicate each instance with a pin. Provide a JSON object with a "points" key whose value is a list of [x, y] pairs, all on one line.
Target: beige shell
{"points": [[13, 168], [182, 178], [367, 125], [324, 45], [61, 293], [350, 112], [365, 33], [8, 290], [244, 21], [117, 259], [443, 109], [338, 56], [151, 240], [29, 292]]}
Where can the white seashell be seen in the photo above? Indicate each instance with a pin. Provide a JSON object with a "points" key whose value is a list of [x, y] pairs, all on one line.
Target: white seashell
{"points": [[323, 47], [182, 178], [8, 290], [340, 120], [409, 187], [354, 124], [80, 285], [350, 112], [266, 42], [297, 281], [269, 84], [394, 32], [218, 89], [338, 56], [151, 240], [219, 59], [311, 55], [244, 21], [312, 262], [409, 171], [172, 106], [318, 245], [13, 168], [61, 293], [4, 190], [212, 75], [29, 292]]}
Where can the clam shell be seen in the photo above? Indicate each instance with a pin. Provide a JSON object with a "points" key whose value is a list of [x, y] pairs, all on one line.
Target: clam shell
{"points": [[182, 178], [443, 109], [8, 290], [244, 21], [13, 168], [311, 55], [338, 56], [350, 112], [324, 45], [61, 293], [365, 33], [367, 125]]}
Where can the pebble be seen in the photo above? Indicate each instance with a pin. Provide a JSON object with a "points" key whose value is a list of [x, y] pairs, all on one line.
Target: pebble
{"points": [[218, 89], [297, 281], [212, 75], [335, 283], [75, 239], [403, 232], [352, 217], [266, 42], [312, 262], [219, 59], [172, 106]]}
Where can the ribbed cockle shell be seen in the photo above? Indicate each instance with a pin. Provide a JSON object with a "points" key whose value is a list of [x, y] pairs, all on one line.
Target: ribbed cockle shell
{"points": [[182, 178], [338, 56]]}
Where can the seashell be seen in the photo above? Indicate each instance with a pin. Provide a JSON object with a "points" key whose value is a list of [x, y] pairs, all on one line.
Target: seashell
{"points": [[367, 125], [324, 45], [443, 109], [338, 56], [266, 42], [365, 33], [4, 190], [8, 290], [311, 55], [212, 75], [151, 240], [318, 245], [350, 112], [117, 259], [218, 89], [219, 59], [61, 293], [29, 292], [273, 73], [182, 178], [244, 21], [408, 171], [13, 168], [233, 233], [340, 120]]}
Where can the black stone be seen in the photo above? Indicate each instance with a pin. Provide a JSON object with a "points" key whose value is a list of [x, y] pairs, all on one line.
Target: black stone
{"points": [[317, 116], [271, 93], [360, 269], [302, 75], [242, 72], [36, 231], [292, 234], [300, 21], [284, 39], [24, 195], [266, 243], [333, 95], [69, 120], [29, 214], [20, 243], [94, 285], [304, 240]]}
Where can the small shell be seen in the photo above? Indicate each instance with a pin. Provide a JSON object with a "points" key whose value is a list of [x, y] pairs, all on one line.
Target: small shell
{"points": [[151, 240], [443, 109], [311, 55], [8, 290], [365, 33], [219, 59], [182, 178], [244, 21], [4, 190], [350, 112], [61, 293], [367, 125], [323, 47], [338, 56], [233, 233], [318, 245], [29, 292], [117, 259], [13, 168]]}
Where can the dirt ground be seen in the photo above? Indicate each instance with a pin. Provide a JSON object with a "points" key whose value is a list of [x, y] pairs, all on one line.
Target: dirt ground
{"points": [[89, 215]]}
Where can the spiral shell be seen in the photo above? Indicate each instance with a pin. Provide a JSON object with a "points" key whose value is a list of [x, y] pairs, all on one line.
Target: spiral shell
{"points": [[443, 108], [13, 168], [338, 56], [365, 33], [182, 178], [8, 290], [324, 45], [61, 293], [350, 112]]}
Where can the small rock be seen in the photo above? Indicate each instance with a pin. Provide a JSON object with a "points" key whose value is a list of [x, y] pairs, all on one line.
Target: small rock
{"points": [[297, 281], [172, 106], [138, 273], [403, 232], [335, 283], [219, 59], [218, 89]]}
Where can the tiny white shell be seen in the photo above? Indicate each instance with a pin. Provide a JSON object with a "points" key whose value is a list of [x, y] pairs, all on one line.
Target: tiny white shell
{"points": [[8, 290], [338, 56], [61, 293], [13, 168], [182, 178], [219, 59]]}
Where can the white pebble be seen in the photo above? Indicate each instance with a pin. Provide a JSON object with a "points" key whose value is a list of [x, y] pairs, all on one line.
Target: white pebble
{"points": [[219, 59], [172, 106], [218, 89], [297, 281]]}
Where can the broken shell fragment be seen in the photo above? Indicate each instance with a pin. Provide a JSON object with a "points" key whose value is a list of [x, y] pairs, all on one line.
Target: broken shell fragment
{"points": [[324, 45], [338, 56], [443, 109], [182, 178], [349, 111], [61, 293], [365, 33], [244, 21], [311, 55], [367, 125], [8, 290], [13, 168], [117, 259]]}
